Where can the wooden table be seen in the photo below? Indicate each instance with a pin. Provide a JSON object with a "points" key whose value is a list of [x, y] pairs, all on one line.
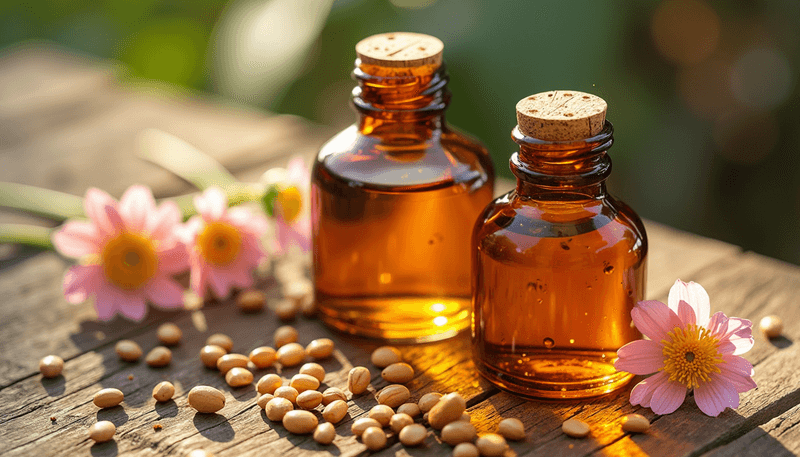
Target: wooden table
{"points": [[66, 124]]}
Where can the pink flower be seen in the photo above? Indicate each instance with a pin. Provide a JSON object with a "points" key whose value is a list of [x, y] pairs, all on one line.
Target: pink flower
{"points": [[688, 349], [291, 206], [224, 244], [128, 253]]}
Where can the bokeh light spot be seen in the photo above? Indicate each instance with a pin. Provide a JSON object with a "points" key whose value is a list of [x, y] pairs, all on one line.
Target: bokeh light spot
{"points": [[685, 31], [761, 78]]}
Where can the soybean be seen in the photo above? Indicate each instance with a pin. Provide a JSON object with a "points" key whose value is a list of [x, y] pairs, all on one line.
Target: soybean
{"points": [[332, 394], [575, 428], [285, 335], [399, 421], [287, 392], [772, 326], [335, 411], [238, 377], [51, 366], [413, 435], [394, 395], [465, 450], [263, 357], [358, 380], [309, 399], [491, 445], [228, 361], [206, 399], [250, 300], [291, 354], [511, 429], [286, 310], [300, 422], [320, 348], [269, 383], [374, 438], [325, 433], [635, 423], [263, 400], [169, 334], [448, 409], [108, 398], [159, 356], [128, 350], [277, 408], [210, 354], [427, 401], [221, 340], [163, 391], [315, 370], [362, 424], [399, 373], [381, 413], [458, 432], [304, 382], [385, 356], [102, 431], [412, 409]]}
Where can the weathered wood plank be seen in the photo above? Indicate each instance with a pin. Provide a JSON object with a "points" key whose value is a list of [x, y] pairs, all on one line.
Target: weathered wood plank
{"points": [[778, 437]]}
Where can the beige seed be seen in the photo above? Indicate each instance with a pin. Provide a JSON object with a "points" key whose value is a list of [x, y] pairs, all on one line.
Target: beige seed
{"points": [[321, 348], [465, 417], [448, 409], [238, 377], [285, 335], [128, 350], [458, 432], [210, 354], [291, 354], [250, 300], [374, 438], [163, 391], [394, 395], [358, 380], [287, 392], [300, 422], [286, 310], [331, 394], [400, 421], [268, 383], [412, 409], [335, 411], [159, 356], [277, 408], [315, 370], [635, 423], [221, 340], [511, 429], [200, 453], [491, 445], [304, 382], [263, 357], [362, 424], [381, 413], [325, 433], [108, 398], [51, 366], [309, 399], [772, 326], [428, 401], [228, 361], [385, 356], [263, 400], [298, 289], [169, 334], [102, 431], [206, 399], [399, 373], [466, 450], [308, 306], [575, 428], [413, 435]]}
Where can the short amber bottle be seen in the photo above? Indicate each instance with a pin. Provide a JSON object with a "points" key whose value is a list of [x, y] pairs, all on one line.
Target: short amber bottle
{"points": [[558, 263], [394, 200]]}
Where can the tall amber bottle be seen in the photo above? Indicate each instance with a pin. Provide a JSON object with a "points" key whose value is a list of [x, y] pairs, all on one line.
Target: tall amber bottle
{"points": [[558, 263], [394, 200]]}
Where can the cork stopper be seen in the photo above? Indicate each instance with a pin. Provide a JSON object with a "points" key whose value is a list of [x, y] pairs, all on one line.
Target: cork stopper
{"points": [[400, 49], [561, 115]]}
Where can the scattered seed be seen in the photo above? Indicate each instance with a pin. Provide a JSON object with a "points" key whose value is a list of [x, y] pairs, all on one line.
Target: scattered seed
{"points": [[163, 391], [130, 377], [51, 366], [102, 431], [128, 350], [309, 399], [385, 356], [286, 310], [200, 453], [287, 392], [332, 394], [491, 445], [263, 357], [285, 335], [221, 340], [412, 409], [575, 428], [511, 429], [358, 380], [206, 399], [159, 356], [381, 413], [210, 354], [53, 418], [374, 438], [238, 377], [263, 400], [465, 450], [325, 433], [308, 306], [413, 435], [300, 422], [400, 421], [250, 300], [465, 417], [277, 408], [428, 401], [635, 423], [394, 395], [291, 354], [772, 326], [362, 424], [321, 348], [399, 373], [335, 411], [458, 432], [228, 361], [108, 398], [157, 427], [169, 334], [304, 382], [315, 370], [268, 383], [448, 409]]}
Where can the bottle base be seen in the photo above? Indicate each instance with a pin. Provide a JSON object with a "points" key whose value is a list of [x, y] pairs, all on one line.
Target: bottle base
{"points": [[397, 319], [549, 375]]}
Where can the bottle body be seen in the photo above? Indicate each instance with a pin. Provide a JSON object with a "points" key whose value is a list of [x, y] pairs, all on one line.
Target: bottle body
{"points": [[394, 201], [558, 266]]}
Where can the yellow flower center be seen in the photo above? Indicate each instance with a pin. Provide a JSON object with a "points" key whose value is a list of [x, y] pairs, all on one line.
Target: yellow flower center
{"points": [[129, 260], [691, 354], [290, 201], [219, 243]]}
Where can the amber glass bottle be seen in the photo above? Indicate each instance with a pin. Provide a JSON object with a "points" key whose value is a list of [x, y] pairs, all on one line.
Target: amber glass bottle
{"points": [[394, 200], [558, 263]]}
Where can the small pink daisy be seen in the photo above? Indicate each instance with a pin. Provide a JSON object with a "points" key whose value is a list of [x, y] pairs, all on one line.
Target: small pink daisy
{"points": [[688, 349], [292, 207], [128, 253], [224, 244]]}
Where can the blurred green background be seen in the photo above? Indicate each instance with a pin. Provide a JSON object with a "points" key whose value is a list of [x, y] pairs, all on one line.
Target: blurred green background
{"points": [[703, 95]]}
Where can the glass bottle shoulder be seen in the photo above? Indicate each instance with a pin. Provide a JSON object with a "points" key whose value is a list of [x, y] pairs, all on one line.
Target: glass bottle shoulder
{"points": [[413, 160]]}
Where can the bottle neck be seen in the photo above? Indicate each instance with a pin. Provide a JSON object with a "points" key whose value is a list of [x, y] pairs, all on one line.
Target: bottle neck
{"points": [[390, 99], [562, 170]]}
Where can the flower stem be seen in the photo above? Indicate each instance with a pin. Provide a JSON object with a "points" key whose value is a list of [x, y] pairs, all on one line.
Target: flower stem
{"points": [[238, 193], [44, 202], [32, 235]]}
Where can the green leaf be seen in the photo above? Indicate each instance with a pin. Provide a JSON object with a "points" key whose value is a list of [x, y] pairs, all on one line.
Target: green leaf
{"points": [[268, 200], [43, 202]]}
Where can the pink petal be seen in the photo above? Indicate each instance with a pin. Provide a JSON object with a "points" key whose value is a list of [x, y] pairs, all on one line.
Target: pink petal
{"points": [[131, 305], [164, 292], [198, 275], [248, 220], [211, 204], [640, 357], [220, 282], [686, 313], [693, 294], [80, 281], [668, 397], [714, 396], [76, 239], [737, 372], [135, 206], [642, 393], [164, 221], [718, 324], [174, 260], [654, 319], [94, 205], [107, 301], [298, 173], [114, 219], [187, 232]]}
